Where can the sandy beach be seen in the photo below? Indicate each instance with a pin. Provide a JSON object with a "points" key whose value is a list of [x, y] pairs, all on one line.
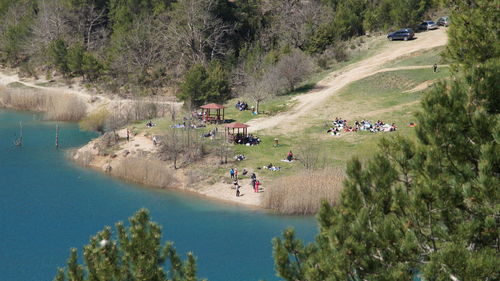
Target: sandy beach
{"points": [[142, 144]]}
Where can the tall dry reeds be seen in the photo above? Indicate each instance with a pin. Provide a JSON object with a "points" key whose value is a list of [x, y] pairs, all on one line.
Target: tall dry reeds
{"points": [[150, 172], [57, 106], [303, 192]]}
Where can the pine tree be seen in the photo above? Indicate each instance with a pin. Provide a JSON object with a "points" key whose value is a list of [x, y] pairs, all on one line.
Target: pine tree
{"points": [[136, 254], [428, 205]]}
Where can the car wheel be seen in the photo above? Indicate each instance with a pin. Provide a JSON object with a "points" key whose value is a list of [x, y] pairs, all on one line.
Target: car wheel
{"points": [[390, 39], [406, 38]]}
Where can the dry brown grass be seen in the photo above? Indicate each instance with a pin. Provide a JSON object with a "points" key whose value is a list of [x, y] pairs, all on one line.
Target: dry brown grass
{"points": [[303, 192], [65, 107], [150, 172], [82, 158], [57, 106]]}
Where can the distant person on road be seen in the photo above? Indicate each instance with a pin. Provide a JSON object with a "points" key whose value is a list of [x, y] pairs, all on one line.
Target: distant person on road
{"points": [[435, 67]]}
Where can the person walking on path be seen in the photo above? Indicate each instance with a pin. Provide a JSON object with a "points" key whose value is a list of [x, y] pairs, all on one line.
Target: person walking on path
{"points": [[128, 134], [237, 191], [435, 67], [231, 173], [236, 174]]}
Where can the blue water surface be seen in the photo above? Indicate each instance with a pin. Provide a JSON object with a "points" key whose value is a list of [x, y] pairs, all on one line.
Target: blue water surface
{"points": [[48, 205]]}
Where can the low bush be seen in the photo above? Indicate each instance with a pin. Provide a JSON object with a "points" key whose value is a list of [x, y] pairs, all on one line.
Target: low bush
{"points": [[95, 121], [303, 192]]}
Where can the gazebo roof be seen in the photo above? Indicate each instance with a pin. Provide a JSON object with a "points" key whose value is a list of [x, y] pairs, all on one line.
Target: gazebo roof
{"points": [[236, 125], [212, 106]]}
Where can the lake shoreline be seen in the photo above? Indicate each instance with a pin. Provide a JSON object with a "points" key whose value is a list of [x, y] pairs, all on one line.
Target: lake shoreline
{"points": [[127, 160], [139, 147]]}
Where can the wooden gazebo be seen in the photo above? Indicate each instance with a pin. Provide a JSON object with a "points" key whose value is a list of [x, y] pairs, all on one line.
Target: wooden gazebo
{"points": [[208, 109], [233, 133]]}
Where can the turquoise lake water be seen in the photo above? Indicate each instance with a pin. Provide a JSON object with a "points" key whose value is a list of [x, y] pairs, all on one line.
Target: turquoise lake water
{"points": [[48, 205]]}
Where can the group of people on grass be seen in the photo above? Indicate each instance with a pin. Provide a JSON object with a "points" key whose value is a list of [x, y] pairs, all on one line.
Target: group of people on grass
{"points": [[233, 173], [241, 105], [246, 140], [340, 125]]}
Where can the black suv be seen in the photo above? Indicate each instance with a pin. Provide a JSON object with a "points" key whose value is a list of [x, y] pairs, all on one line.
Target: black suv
{"points": [[404, 34]]}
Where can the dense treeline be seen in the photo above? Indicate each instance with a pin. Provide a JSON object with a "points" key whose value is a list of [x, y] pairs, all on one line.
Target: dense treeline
{"points": [[428, 205], [148, 46]]}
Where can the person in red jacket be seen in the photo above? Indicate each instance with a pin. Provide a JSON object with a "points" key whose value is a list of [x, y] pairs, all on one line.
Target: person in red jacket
{"points": [[257, 183]]}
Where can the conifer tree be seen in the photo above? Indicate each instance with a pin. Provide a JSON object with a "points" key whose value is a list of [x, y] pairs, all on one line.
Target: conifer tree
{"points": [[428, 205], [136, 254]]}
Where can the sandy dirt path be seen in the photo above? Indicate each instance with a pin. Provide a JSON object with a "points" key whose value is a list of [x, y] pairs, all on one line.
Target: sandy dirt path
{"points": [[93, 101], [305, 104]]}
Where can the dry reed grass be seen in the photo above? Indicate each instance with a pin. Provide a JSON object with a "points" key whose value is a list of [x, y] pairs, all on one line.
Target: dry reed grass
{"points": [[82, 158], [57, 106], [303, 192], [150, 172]]}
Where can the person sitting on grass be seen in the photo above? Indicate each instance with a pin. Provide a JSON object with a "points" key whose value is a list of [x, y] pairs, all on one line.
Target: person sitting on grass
{"points": [[289, 157]]}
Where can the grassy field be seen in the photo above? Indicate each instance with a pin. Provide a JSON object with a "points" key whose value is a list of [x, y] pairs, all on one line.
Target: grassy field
{"points": [[426, 57], [378, 97]]}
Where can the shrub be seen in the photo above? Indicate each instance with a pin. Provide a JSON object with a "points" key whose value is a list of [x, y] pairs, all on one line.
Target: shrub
{"points": [[95, 121]]}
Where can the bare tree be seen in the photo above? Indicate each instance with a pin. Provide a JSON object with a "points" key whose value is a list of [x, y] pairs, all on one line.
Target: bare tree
{"points": [[171, 146], [195, 35], [50, 24], [294, 67], [142, 48], [310, 155], [264, 87], [294, 21]]}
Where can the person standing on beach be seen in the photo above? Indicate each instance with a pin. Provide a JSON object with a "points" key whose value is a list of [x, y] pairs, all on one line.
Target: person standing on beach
{"points": [[231, 173], [237, 191], [257, 183], [236, 174], [254, 179]]}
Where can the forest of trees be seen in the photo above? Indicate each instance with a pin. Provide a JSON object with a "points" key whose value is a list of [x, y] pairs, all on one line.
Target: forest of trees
{"points": [[144, 47]]}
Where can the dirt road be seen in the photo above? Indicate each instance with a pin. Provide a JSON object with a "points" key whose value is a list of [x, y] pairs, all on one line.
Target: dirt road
{"points": [[305, 104]]}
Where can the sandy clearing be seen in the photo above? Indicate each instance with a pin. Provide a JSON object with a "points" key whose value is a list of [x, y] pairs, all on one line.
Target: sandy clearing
{"points": [[306, 104]]}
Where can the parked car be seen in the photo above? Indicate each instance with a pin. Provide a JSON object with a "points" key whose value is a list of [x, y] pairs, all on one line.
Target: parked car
{"points": [[427, 25], [443, 21], [402, 34]]}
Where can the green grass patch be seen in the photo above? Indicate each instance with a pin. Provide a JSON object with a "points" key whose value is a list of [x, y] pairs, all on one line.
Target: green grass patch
{"points": [[420, 58], [385, 89], [45, 84], [18, 85], [378, 97]]}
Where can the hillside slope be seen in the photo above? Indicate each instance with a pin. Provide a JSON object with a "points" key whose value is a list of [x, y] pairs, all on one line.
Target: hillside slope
{"points": [[305, 105]]}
